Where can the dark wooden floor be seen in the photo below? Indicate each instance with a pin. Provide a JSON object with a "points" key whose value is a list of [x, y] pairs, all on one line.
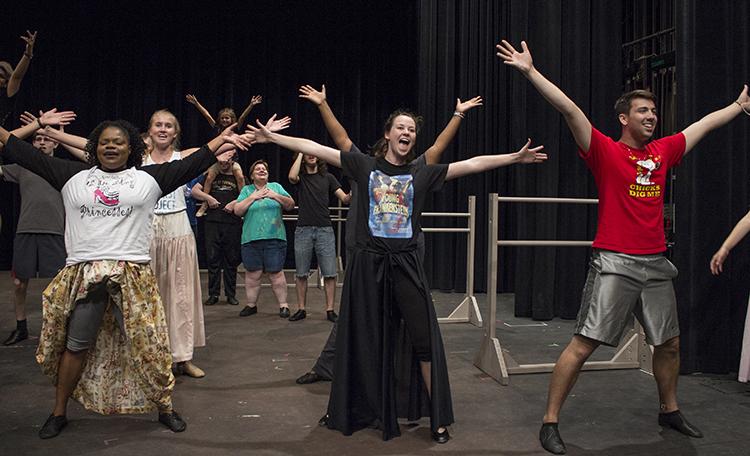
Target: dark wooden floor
{"points": [[248, 402]]}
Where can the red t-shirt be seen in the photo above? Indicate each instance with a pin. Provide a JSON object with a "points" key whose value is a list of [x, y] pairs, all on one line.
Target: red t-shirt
{"points": [[631, 184]]}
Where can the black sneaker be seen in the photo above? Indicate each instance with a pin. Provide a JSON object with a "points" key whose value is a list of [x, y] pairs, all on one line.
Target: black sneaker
{"points": [[232, 301], [284, 312], [301, 314], [247, 311], [173, 421], [211, 300], [331, 316], [52, 426], [16, 336]]}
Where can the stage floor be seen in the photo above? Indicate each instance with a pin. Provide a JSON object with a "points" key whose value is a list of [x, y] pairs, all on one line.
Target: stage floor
{"points": [[248, 403]]}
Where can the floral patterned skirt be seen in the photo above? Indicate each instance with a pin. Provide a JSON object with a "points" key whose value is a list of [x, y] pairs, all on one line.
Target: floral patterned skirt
{"points": [[123, 373]]}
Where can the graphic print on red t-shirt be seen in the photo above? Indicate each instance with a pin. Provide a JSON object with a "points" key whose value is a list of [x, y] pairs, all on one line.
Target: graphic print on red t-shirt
{"points": [[631, 186], [644, 187]]}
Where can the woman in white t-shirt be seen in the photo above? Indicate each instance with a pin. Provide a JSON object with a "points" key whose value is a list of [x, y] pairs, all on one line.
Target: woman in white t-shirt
{"points": [[104, 337]]}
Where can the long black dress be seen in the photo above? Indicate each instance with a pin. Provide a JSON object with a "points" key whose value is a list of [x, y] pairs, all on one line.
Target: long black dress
{"points": [[377, 374]]}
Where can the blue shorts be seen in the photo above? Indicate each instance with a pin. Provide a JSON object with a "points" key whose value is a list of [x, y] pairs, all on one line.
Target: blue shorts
{"points": [[319, 239], [265, 254]]}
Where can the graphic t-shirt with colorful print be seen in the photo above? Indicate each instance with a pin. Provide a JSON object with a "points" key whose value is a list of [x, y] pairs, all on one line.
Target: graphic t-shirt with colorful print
{"points": [[263, 217], [631, 184]]}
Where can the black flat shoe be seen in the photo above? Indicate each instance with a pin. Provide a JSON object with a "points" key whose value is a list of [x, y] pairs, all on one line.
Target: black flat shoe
{"points": [[331, 316], [16, 336], [52, 426], [310, 377], [232, 301], [284, 312], [441, 437], [173, 421], [324, 420], [247, 311], [211, 301], [550, 439], [301, 314], [676, 421]]}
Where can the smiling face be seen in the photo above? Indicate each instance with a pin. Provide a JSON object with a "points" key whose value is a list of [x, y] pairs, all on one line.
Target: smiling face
{"points": [[259, 173], [401, 137], [113, 149], [640, 121], [163, 129], [226, 117]]}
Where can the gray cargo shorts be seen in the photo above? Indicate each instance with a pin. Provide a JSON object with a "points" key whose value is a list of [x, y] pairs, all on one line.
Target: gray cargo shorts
{"points": [[619, 286]]}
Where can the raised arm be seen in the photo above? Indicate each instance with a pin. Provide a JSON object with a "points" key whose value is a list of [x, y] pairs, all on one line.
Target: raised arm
{"points": [[335, 129], [14, 83], [433, 154], [74, 144], [738, 233], [190, 98], [483, 163], [294, 170], [577, 122], [256, 100], [696, 131], [262, 134]]}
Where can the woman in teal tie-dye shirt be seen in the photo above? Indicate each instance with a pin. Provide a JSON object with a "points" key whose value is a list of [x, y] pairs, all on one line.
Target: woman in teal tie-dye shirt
{"points": [[263, 236]]}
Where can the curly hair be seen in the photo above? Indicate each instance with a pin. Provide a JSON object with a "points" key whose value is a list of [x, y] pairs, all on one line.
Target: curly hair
{"points": [[137, 146], [381, 146]]}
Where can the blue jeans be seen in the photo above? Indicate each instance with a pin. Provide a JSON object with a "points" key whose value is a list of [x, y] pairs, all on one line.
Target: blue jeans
{"points": [[319, 239], [265, 254]]}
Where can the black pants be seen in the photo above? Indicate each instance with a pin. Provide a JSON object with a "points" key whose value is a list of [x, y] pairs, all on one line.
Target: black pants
{"points": [[324, 365], [223, 252]]}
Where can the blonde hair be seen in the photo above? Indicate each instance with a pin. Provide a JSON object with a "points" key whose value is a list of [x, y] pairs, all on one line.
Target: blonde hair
{"points": [[177, 128]]}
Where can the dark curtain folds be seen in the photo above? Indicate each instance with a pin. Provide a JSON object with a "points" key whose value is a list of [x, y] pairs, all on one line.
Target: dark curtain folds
{"points": [[576, 44], [713, 62]]}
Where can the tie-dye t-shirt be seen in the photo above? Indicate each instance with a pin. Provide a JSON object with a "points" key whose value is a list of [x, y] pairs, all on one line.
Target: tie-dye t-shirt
{"points": [[263, 217]]}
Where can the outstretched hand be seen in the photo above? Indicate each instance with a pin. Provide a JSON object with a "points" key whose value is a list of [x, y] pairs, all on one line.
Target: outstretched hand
{"points": [[280, 124], [520, 60], [29, 39], [468, 104], [256, 100], [242, 142], [744, 99], [52, 117], [27, 118], [317, 97], [261, 133], [528, 155], [717, 261], [190, 98]]}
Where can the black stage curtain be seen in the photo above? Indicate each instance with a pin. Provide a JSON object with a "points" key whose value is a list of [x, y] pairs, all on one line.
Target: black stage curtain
{"points": [[576, 44], [106, 61], [713, 62]]}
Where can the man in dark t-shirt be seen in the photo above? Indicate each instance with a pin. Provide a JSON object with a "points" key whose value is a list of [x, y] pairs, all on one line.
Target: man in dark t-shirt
{"points": [[223, 231], [314, 232], [39, 246]]}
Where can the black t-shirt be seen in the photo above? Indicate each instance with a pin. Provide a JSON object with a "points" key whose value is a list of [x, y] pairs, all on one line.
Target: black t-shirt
{"points": [[313, 192], [6, 104], [390, 199], [225, 190]]}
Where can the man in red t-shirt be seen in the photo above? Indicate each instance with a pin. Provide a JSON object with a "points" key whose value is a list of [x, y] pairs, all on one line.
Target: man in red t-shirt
{"points": [[628, 273]]}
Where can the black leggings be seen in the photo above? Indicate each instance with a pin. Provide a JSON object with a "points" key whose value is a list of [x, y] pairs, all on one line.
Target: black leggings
{"points": [[410, 302]]}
